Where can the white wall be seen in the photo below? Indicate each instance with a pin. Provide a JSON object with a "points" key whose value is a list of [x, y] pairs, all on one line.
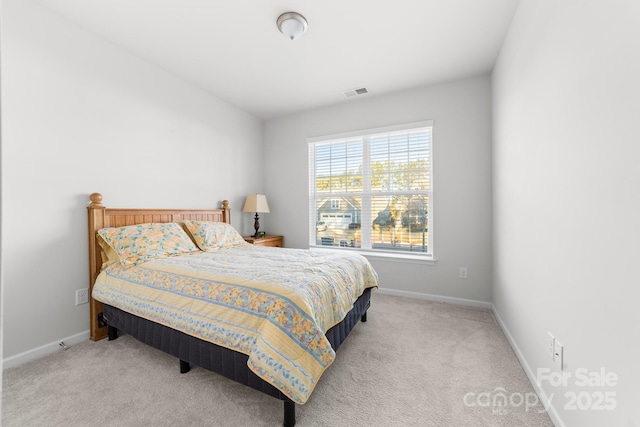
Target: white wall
{"points": [[461, 112], [80, 115], [567, 196]]}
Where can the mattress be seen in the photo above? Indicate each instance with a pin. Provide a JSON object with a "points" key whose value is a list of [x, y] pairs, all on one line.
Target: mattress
{"points": [[274, 305]]}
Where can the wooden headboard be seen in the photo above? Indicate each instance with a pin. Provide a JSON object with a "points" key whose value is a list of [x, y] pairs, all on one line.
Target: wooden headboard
{"points": [[101, 217]]}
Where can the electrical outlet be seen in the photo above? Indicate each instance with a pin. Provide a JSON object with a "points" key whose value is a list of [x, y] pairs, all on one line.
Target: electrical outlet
{"points": [[82, 296], [558, 353], [462, 273]]}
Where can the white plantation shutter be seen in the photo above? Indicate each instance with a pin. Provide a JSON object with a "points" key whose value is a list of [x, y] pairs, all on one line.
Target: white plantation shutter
{"points": [[372, 190]]}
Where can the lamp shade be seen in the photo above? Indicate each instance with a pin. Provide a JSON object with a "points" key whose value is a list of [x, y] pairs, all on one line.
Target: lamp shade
{"points": [[256, 203]]}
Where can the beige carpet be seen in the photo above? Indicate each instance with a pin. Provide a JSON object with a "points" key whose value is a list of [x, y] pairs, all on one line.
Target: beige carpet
{"points": [[414, 363]]}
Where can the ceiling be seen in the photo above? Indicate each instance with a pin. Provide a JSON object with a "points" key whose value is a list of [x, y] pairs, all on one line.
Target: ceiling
{"points": [[234, 50]]}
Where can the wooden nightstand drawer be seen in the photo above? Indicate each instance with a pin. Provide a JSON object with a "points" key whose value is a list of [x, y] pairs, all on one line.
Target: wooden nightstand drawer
{"points": [[276, 241]]}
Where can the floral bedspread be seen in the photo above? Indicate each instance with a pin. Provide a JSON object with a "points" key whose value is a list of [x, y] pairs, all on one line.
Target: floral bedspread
{"points": [[272, 304]]}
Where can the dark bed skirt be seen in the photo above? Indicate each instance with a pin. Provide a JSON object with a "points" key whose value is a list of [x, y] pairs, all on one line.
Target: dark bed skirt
{"points": [[221, 360]]}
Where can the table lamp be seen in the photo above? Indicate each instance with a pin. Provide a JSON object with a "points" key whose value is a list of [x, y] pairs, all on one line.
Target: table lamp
{"points": [[256, 203]]}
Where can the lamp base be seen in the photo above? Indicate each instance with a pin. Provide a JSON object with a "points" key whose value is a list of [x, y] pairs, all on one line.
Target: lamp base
{"points": [[256, 225]]}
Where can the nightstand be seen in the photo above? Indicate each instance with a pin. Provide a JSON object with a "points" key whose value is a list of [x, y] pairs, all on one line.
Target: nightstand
{"points": [[276, 241]]}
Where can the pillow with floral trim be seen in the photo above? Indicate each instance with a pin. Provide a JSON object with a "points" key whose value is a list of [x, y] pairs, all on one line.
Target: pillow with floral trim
{"points": [[108, 254], [210, 236], [138, 243]]}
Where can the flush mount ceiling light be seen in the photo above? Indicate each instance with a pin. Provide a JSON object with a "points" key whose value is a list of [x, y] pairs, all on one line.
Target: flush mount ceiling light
{"points": [[292, 25]]}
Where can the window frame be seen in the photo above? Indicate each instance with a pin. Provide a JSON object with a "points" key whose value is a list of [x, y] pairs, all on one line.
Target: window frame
{"points": [[367, 193]]}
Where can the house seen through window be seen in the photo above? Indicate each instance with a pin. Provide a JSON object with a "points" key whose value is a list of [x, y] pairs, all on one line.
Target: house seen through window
{"points": [[372, 190]]}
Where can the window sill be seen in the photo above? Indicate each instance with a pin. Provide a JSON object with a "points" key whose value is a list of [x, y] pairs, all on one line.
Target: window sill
{"points": [[381, 255]]}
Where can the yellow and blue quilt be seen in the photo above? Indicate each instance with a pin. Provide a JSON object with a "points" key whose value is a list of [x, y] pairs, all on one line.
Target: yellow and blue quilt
{"points": [[274, 305]]}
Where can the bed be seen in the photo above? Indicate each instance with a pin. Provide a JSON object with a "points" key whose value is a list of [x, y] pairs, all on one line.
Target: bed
{"points": [[268, 318]]}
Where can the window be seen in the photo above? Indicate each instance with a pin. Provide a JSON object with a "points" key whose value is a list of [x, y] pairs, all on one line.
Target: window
{"points": [[372, 190]]}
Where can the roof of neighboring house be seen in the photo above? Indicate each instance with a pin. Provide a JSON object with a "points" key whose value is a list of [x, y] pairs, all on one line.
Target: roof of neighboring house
{"points": [[350, 204]]}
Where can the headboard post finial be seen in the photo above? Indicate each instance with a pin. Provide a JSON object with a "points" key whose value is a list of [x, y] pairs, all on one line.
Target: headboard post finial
{"points": [[226, 212], [96, 200]]}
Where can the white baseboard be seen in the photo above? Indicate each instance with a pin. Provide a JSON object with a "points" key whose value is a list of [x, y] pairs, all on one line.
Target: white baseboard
{"points": [[44, 350], [437, 298], [544, 399]]}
